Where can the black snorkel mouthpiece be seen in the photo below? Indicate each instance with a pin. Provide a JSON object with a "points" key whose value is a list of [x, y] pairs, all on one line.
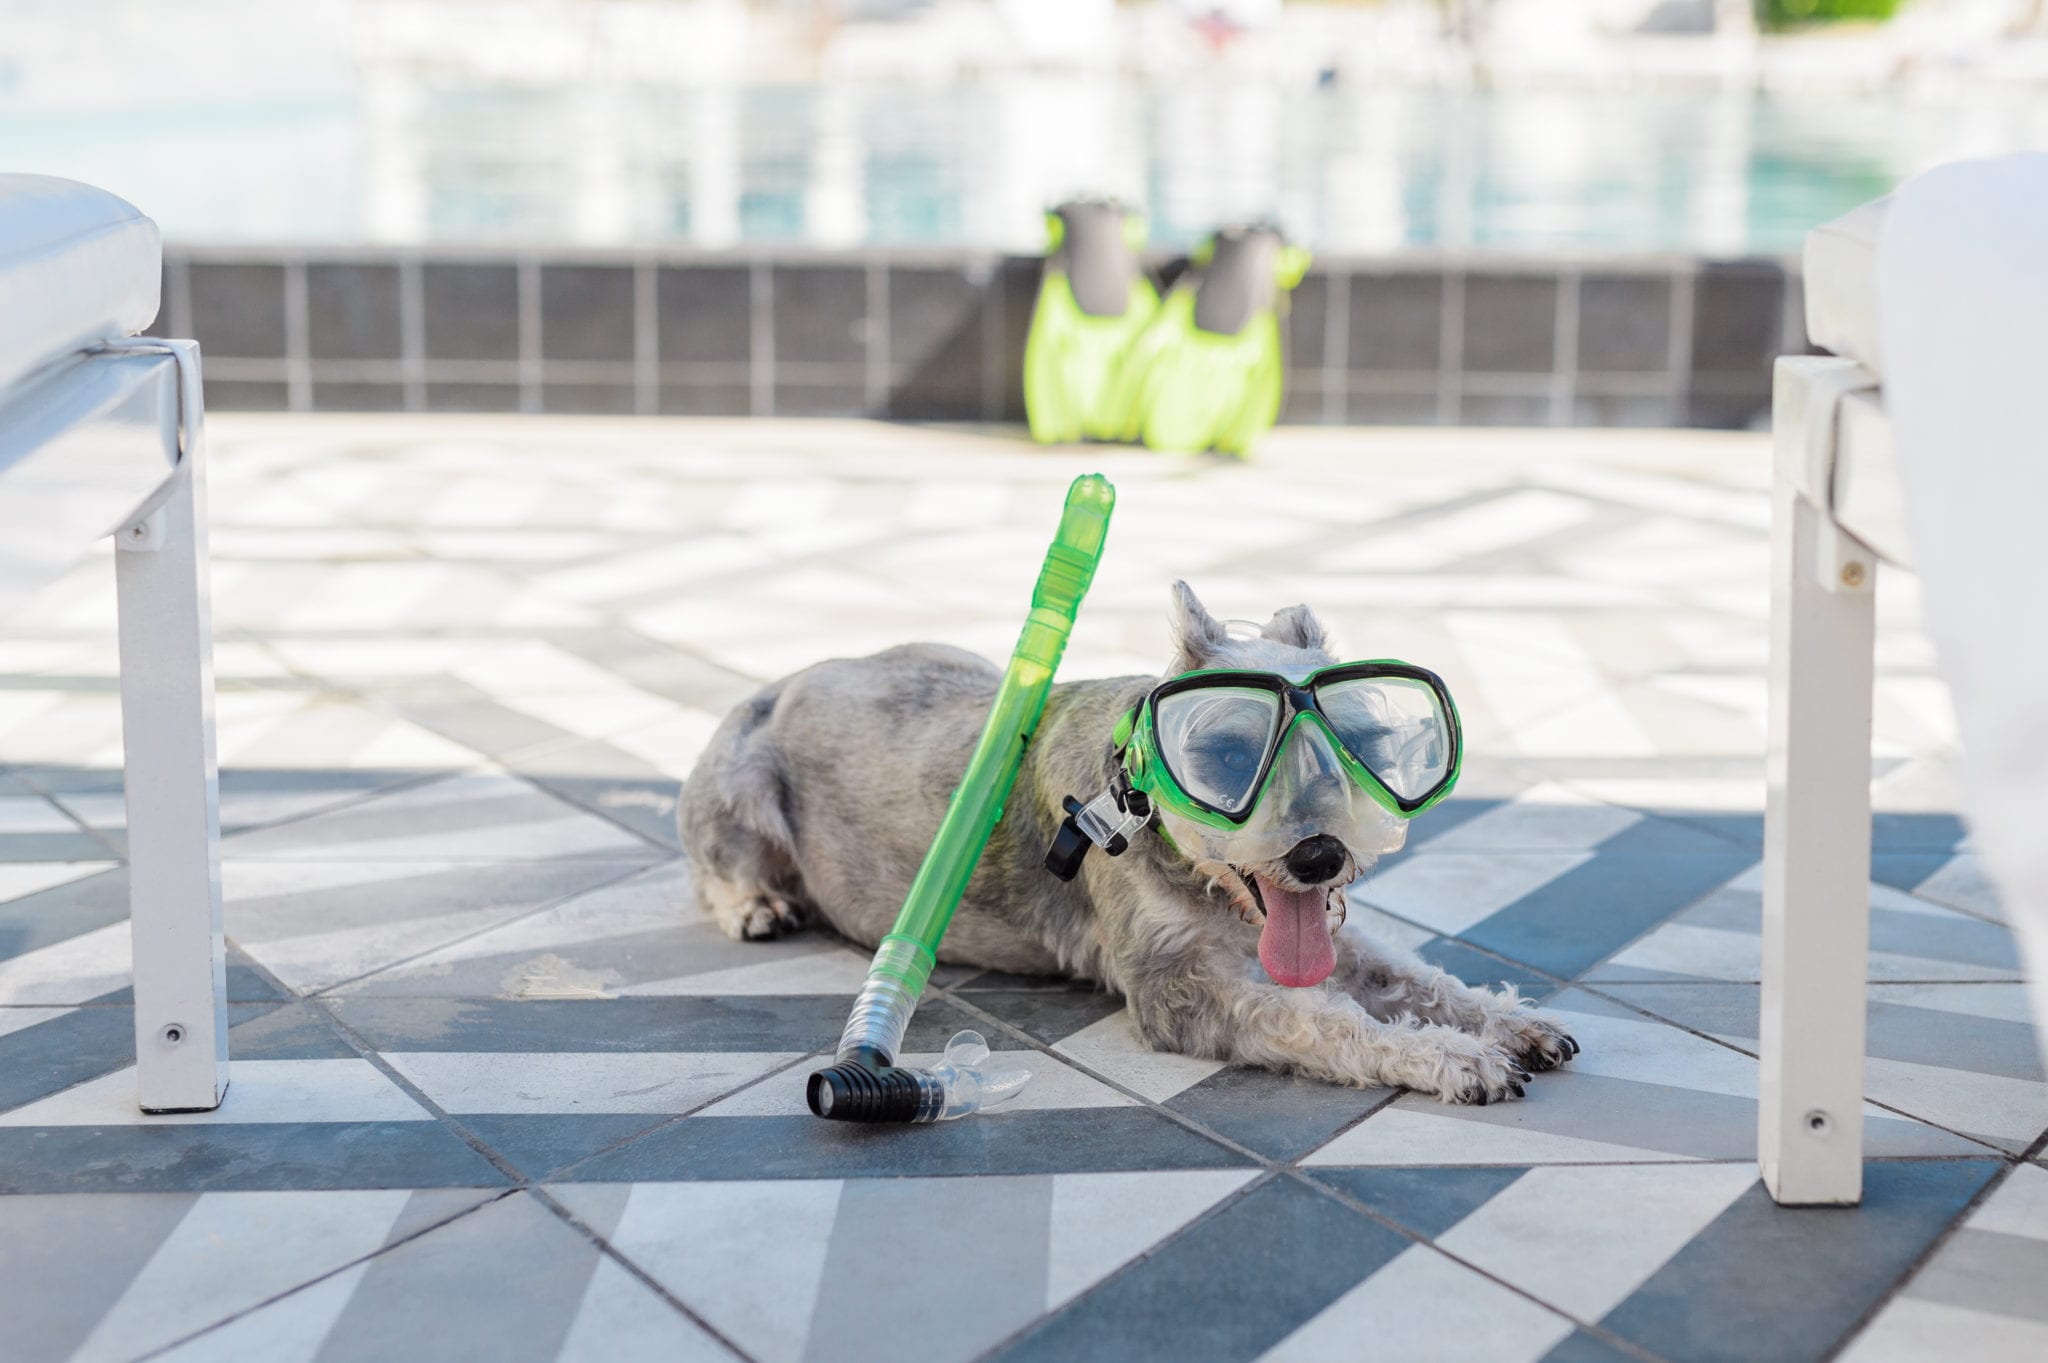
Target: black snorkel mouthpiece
{"points": [[867, 1088], [863, 1084]]}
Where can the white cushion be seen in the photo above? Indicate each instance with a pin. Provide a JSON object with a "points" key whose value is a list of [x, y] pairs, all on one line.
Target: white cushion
{"points": [[77, 266], [1841, 285]]}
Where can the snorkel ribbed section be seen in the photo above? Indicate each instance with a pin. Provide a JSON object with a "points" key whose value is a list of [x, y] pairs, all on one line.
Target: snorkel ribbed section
{"points": [[881, 1012], [873, 1037]]}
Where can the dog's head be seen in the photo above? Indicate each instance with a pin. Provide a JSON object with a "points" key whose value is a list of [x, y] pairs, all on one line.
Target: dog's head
{"points": [[1315, 831]]}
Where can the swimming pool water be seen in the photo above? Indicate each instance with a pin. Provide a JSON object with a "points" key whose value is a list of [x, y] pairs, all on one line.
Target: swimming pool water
{"points": [[1349, 170]]}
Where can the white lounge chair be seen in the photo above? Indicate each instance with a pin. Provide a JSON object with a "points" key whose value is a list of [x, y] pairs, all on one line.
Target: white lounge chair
{"points": [[103, 432], [1918, 441]]}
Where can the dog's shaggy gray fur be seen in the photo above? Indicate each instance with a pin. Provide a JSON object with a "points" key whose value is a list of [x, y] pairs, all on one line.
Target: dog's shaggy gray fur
{"points": [[821, 793]]}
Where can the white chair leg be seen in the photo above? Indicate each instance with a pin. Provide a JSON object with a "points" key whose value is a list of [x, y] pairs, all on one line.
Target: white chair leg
{"points": [[1816, 930], [181, 1034]]}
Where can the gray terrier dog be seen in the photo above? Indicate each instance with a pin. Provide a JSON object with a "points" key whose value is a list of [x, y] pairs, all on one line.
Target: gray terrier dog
{"points": [[820, 796]]}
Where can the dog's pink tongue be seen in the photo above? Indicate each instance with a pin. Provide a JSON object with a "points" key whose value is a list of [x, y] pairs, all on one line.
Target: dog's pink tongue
{"points": [[1295, 944]]}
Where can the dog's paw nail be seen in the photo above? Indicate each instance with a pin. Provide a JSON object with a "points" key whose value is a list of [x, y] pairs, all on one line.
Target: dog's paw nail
{"points": [[1516, 1089], [1573, 1046], [1522, 1075]]}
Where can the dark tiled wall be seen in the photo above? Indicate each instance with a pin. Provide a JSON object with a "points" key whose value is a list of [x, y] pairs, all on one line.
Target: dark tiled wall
{"points": [[940, 337]]}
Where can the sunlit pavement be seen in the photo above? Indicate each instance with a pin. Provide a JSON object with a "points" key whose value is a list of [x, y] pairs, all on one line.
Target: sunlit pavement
{"points": [[499, 1092]]}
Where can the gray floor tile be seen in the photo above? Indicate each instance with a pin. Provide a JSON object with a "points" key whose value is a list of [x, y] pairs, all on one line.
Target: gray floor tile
{"points": [[477, 816], [1228, 1287], [204, 1158], [1049, 1015], [316, 923], [1797, 1279], [67, 1259], [538, 1146], [1640, 878], [68, 1049], [1427, 1201], [1278, 1115], [1986, 1270], [766, 1022], [1484, 971], [1971, 1064], [84, 1043], [1582, 1347], [505, 1282], [1071, 1140], [63, 911]]}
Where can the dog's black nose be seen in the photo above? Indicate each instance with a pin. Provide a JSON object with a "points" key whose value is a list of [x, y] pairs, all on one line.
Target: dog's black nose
{"points": [[1315, 860]]}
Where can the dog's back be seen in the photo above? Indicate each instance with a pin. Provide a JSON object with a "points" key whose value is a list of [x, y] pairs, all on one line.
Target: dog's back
{"points": [[821, 792]]}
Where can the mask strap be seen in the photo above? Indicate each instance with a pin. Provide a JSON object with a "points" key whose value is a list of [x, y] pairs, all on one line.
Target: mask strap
{"points": [[1108, 821]]}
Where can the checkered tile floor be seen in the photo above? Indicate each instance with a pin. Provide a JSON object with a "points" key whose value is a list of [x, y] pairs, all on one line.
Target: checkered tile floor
{"points": [[498, 1095]]}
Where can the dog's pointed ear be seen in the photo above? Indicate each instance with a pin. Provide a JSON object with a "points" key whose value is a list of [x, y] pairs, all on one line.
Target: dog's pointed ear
{"points": [[1297, 627], [1197, 635]]}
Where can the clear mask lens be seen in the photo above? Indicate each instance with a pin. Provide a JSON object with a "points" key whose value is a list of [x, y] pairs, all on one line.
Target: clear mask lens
{"points": [[1395, 727], [1214, 739]]}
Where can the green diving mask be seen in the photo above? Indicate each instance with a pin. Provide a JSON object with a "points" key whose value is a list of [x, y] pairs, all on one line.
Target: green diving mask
{"points": [[1241, 766]]}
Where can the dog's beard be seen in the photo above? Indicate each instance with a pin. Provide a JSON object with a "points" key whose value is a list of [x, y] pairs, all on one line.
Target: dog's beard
{"points": [[1295, 927]]}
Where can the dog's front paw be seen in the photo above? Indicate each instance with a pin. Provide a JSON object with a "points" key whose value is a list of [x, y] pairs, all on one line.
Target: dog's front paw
{"points": [[1537, 1042], [769, 916], [1467, 1069]]}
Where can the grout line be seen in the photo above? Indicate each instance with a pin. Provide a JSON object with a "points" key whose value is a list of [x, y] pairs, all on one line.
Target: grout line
{"points": [[1336, 347], [496, 1195], [1131, 1265], [1564, 369], [1659, 1018], [1792, 338], [646, 338], [556, 1174], [368, 1051], [178, 307], [1933, 1247], [297, 342], [412, 333], [875, 341], [530, 322], [646, 1279], [989, 281], [1338, 1195], [1181, 1118], [760, 340], [327, 991], [1450, 358], [1684, 303]]}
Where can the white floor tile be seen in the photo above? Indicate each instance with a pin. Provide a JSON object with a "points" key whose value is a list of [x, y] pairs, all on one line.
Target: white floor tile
{"points": [[581, 1081], [1584, 1238], [236, 1250], [1425, 1306], [292, 1092], [1112, 1048]]}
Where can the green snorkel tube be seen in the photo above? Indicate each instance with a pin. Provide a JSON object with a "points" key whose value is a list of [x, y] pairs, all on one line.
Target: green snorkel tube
{"points": [[865, 1084]]}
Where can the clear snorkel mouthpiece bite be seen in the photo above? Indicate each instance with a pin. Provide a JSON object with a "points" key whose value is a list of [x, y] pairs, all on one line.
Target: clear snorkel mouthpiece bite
{"points": [[969, 1078]]}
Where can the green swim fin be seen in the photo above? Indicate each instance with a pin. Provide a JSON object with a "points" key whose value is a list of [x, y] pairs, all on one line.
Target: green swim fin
{"points": [[1093, 302], [1209, 371]]}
